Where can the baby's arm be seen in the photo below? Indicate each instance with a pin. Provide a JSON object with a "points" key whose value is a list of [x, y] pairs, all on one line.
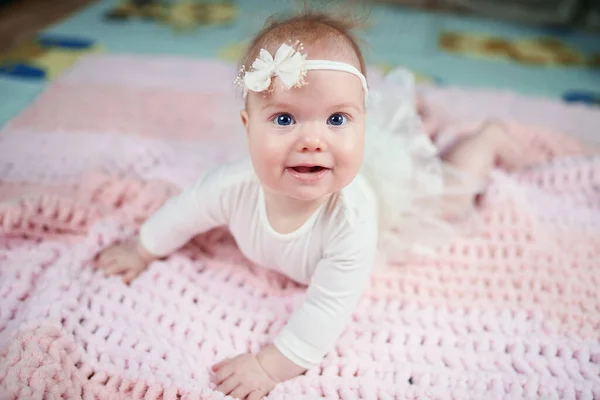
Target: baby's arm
{"points": [[195, 210], [339, 280], [312, 331]]}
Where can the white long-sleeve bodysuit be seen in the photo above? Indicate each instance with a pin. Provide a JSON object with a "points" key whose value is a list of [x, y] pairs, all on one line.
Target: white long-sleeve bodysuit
{"points": [[332, 252]]}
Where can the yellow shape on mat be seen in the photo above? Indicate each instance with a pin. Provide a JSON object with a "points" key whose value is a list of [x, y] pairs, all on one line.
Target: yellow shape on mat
{"points": [[181, 15], [53, 60], [545, 51], [56, 61], [594, 61], [232, 52], [186, 15], [533, 51], [474, 45], [24, 52]]}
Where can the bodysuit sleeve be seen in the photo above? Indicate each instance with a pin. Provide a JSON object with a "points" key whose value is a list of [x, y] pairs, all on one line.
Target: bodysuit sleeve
{"points": [[197, 209], [332, 295]]}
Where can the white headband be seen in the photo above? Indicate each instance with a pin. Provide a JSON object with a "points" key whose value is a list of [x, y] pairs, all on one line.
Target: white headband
{"points": [[290, 66]]}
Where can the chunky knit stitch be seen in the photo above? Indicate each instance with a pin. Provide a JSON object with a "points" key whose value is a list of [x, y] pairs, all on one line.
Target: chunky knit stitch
{"points": [[509, 312]]}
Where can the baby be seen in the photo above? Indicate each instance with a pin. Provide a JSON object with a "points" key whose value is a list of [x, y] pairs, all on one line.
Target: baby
{"points": [[298, 204]]}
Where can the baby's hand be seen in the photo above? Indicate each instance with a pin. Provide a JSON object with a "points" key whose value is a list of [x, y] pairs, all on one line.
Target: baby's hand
{"points": [[127, 259], [243, 377]]}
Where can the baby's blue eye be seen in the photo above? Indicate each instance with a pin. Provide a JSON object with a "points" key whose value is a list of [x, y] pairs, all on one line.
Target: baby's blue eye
{"points": [[337, 120], [284, 120]]}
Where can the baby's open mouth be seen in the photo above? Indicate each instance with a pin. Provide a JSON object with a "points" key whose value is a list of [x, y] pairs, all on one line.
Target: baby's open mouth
{"points": [[308, 169]]}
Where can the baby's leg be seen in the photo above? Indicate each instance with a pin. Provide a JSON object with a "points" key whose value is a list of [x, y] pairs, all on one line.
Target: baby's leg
{"points": [[476, 155], [489, 147]]}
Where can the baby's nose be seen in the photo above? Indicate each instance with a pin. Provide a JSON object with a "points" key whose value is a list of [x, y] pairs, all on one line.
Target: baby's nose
{"points": [[311, 144], [312, 138]]}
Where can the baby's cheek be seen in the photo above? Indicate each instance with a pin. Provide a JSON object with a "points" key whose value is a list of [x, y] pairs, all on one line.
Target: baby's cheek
{"points": [[349, 164], [353, 154], [273, 152], [267, 161]]}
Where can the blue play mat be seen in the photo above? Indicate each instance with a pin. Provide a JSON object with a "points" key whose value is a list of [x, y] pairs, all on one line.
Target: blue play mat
{"points": [[394, 36]]}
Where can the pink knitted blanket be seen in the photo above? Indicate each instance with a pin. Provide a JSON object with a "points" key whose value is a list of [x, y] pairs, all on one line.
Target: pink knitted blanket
{"points": [[509, 312]]}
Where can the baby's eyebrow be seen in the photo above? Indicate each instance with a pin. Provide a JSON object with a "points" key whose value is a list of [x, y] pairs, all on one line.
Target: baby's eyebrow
{"points": [[345, 106], [333, 108], [277, 105]]}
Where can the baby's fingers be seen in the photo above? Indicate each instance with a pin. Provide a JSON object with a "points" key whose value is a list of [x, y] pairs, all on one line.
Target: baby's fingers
{"points": [[110, 253], [116, 266], [223, 373], [240, 392], [229, 385], [130, 275], [106, 262], [218, 365], [256, 395]]}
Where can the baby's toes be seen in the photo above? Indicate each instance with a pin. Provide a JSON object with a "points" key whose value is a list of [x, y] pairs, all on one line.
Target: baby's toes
{"points": [[513, 157], [103, 260], [115, 266], [130, 275]]}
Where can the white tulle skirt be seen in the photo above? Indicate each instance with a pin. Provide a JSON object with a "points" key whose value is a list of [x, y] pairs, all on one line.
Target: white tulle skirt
{"points": [[420, 197]]}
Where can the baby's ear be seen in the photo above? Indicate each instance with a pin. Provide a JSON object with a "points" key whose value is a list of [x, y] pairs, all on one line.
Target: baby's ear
{"points": [[244, 116]]}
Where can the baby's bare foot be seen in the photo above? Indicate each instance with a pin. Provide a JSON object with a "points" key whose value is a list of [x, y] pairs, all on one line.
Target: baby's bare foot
{"points": [[506, 149]]}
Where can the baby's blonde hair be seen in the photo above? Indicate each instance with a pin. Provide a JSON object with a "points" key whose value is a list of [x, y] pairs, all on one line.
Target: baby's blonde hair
{"points": [[312, 29]]}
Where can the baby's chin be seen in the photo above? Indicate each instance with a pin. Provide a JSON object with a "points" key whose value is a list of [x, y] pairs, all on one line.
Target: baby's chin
{"points": [[311, 194], [301, 194], [310, 197]]}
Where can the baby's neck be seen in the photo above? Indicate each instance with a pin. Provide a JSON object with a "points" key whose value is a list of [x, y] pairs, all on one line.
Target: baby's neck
{"points": [[286, 214]]}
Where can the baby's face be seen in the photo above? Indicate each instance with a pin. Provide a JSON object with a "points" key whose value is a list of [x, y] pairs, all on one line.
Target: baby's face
{"points": [[307, 142]]}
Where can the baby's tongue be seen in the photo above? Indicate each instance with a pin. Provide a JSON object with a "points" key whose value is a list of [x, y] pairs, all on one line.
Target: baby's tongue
{"points": [[303, 170]]}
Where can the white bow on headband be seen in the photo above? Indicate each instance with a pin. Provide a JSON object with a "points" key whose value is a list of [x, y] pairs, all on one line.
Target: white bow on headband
{"points": [[290, 66]]}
